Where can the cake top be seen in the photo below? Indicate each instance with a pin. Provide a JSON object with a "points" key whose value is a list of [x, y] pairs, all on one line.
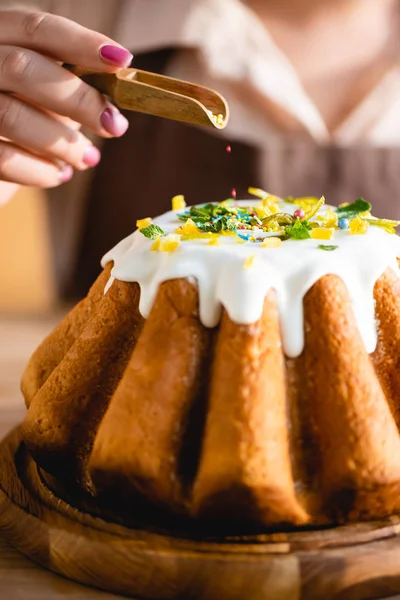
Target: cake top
{"points": [[238, 250]]}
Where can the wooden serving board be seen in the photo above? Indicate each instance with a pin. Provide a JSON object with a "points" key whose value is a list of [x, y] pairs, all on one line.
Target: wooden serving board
{"points": [[360, 561]]}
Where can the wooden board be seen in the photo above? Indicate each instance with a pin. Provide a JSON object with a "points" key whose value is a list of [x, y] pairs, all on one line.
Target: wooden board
{"points": [[361, 561]]}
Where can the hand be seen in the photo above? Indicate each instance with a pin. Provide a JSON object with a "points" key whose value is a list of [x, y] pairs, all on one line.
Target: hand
{"points": [[42, 106]]}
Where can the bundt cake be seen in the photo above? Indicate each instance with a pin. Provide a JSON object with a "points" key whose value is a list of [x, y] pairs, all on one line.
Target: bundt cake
{"points": [[237, 362]]}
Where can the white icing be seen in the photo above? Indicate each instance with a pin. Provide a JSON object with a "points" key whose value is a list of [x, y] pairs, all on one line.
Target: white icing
{"points": [[291, 270]]}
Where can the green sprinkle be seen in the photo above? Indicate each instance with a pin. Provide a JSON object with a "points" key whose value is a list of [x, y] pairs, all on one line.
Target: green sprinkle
{"points": [[281, 219], [327, 247], [387, 224], [352, 210], [311, 212], [299, 231], [222, 224], [152, 231]]}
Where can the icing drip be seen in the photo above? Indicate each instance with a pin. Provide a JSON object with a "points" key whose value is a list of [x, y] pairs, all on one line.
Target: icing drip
{"points": [[291, 270]]}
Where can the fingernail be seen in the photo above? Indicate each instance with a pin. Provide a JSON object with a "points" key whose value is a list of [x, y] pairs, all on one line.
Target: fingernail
{"points": [[66, 173], [91, 156], [114, 122], [116, 55]]}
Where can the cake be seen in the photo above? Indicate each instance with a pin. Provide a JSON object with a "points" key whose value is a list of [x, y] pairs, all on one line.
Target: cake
{"points": [[235, 362]]}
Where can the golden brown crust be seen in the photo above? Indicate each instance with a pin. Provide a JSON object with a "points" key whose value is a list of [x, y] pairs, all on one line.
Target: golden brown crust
{"points": [[64, 415], [53, 349], [266, 440], [386, 357], [140, 439], [245, 469], [358, 439]]}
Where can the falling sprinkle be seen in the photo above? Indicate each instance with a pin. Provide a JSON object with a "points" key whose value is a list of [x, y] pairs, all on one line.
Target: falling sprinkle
{"points": [[228, 149], [233, 193]]}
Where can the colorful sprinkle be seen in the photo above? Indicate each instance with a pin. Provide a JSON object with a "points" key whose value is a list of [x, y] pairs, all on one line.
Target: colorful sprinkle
{"points": [[313, 210], [156, 244], [228, 149], [189, 228], [178, 202], [230, 218], [170, 243], [142, 223], [358, 226], [330, 218], [217, 119], [299, 213], [322, 233]]}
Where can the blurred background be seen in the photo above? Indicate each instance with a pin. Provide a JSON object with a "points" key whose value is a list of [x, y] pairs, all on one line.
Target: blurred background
{"points": [[314, 92]]}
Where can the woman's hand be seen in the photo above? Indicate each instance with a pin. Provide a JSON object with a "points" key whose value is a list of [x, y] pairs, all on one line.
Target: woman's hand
{"points": [[42, 105]]}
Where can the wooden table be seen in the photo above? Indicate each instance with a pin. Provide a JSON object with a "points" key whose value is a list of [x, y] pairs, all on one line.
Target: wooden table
{"points": [[21, 579]]}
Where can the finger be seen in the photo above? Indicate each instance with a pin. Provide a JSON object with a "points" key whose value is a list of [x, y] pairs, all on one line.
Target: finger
{"points": [[18, 166], [38, 132], [62, 39], [46, 83], [66, 120]]}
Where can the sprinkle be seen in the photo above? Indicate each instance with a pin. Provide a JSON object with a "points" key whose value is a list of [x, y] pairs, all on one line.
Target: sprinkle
{"points": [[178, 202], [387, 224], [249, 262], [233, 193], [300, 230], [327, 248], [170, 243], [228, 149], [329, 218], [189, 228], [358, 226], [156, 244], [214, 242], [314, 209], [262, 211], [271, 242], [216, 119], [343, 223], [299, 213], [258, 192], [305, 202], [322, 233], [152, 231], [357, 208], [142, 223]]}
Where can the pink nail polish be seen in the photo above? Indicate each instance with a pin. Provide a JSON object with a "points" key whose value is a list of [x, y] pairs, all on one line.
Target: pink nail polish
{"points": [[66, 173], [114, 122], [91, 156], [116, 55]]}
